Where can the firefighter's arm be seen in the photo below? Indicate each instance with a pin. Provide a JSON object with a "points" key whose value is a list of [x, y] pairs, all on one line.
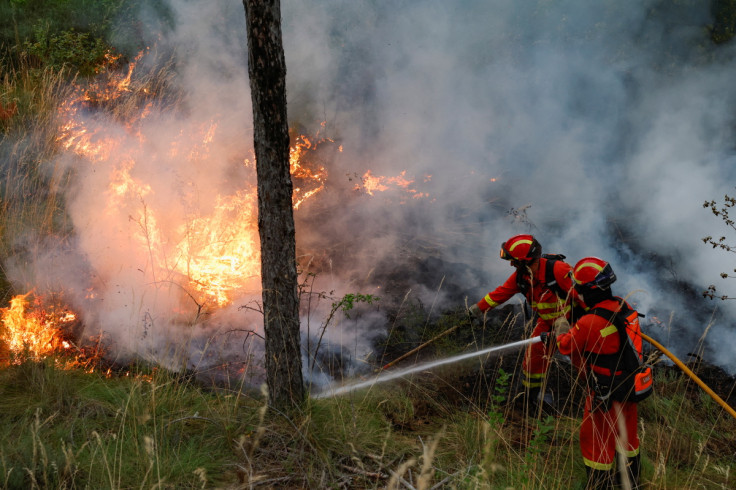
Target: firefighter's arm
{"points": [[560, 327], [572, 343], [500, 295], [573, 304]]}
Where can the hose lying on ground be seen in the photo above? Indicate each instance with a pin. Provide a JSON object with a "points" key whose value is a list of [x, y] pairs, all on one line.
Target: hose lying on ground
{"points": [[692, 375]]}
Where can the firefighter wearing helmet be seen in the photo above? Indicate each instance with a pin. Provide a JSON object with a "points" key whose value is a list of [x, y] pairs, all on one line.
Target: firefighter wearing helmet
{"points": [[599, 344], [545, 282]]}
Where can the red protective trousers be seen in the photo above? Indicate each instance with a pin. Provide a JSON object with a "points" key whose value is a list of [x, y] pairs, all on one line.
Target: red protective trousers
{"points": [[603, 429], [537, 358]]}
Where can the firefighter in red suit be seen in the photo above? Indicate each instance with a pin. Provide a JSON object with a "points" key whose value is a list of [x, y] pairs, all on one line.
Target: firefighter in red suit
{"points": [[591, 344], [546, 284]]}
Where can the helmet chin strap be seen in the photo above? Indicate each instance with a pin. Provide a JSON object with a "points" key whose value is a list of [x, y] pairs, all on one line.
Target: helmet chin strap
{"points": [[523, 268], [594, 296], [523, 276]]}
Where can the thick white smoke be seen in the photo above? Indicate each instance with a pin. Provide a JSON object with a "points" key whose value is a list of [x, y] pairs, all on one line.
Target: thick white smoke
{"points": [[600, 127], [609, 124]]}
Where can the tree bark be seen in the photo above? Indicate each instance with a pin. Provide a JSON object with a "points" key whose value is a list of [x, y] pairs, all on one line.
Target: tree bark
{"points": [[267, 70]]}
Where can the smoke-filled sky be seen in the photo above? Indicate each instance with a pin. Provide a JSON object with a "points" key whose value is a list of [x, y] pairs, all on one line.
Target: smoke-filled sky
{"points": [[601, 127], [605, 124]]}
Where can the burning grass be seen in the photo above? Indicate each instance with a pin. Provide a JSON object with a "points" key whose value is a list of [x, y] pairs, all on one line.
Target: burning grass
{"points": [[33, 329], [32, 334], [196, 247]]}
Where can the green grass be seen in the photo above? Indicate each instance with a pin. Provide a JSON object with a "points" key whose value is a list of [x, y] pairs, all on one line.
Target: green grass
{"points": [[70, 429]]}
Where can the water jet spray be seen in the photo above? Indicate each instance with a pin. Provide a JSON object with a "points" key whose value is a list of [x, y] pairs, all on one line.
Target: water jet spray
{"points": [[421, 367]]}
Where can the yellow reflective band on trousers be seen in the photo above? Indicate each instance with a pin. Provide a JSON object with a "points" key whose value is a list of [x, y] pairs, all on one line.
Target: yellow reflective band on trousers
{"points": [[598, 466], [546, 306], [492, 303], [608, 331], [631, 454], [533, 380]]}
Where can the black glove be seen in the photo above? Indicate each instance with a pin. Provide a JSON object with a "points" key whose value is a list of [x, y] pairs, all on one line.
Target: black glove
{"points": [[547, 338]]}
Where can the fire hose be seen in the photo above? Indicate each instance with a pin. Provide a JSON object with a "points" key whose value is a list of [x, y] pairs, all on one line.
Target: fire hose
{"points": [[692, 375], [656, 344]]}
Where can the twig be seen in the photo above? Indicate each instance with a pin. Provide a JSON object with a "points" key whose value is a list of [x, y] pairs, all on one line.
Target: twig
{"points": [[396, 475], [247, 331], [369, 474], [445, 480], [416, 349], [271, 480], [402, 481], [191, 296], [335, 306], [194, 417]]}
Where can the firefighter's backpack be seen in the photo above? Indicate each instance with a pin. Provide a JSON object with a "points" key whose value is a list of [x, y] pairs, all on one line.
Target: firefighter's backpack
{"points": [[522, 280], [632, 378]]}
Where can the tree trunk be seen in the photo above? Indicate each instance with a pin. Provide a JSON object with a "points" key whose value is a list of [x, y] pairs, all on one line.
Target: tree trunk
{"points": [[267, 70]]}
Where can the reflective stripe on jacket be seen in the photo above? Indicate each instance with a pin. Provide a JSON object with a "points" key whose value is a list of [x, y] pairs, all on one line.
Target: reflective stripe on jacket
{"points": [[541, 298]]}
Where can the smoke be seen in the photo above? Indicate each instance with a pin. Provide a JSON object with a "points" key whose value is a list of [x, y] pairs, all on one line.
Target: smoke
{"points": [[601, 128]]}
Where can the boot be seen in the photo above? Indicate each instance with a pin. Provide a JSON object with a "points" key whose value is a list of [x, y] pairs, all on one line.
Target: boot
{"points": [[599, 479], [633, 473], [634, 467], [541, 401], [529, 398]]}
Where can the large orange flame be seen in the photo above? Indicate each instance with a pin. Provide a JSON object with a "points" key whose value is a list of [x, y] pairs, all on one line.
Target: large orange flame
{"points": [[214, 251], [33, 333]]}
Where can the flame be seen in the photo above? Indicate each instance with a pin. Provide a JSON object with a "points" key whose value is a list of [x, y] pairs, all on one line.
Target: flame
{"points": [[212, 253], [74, 134], [371, 184], [310, 180], [33, 333]]}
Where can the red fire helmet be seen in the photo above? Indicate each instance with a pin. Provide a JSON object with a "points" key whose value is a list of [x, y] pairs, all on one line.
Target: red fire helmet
{"points": [[524, 248], [593, 273]]}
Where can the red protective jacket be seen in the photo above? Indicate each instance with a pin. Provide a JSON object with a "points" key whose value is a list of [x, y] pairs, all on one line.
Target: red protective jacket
{"points": [[542, 299], [591, 334]]}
